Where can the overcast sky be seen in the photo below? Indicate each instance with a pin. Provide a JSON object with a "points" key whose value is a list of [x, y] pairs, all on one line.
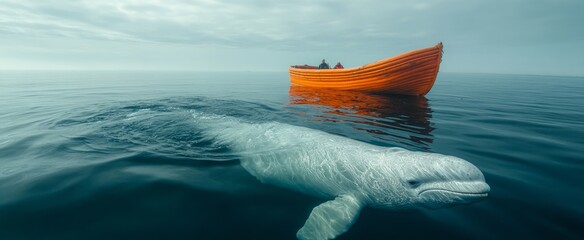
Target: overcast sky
{"points": [[493, 36]]}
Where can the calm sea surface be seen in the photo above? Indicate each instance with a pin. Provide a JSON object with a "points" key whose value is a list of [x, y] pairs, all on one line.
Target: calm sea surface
{"points": [[116, 155]]}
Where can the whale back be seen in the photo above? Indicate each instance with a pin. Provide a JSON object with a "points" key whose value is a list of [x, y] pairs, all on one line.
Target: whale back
{"points": [[302, 159], [299, 158]]}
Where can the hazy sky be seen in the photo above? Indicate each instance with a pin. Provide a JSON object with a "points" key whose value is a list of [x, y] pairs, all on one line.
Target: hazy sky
{"points": [[495, 36]]}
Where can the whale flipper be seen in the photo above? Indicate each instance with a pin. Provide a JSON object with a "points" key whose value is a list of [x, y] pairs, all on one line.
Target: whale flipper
{"points": [[331, 219]]}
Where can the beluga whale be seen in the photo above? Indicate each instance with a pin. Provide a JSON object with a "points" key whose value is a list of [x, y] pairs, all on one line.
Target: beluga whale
{"points": [[347, 173]]}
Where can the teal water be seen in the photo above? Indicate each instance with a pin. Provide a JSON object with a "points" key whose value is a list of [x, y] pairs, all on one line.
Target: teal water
{"points": [[93, 155]]}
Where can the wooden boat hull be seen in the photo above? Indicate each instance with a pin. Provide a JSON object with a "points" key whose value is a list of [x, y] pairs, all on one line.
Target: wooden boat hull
{"points": [[411, 73]]}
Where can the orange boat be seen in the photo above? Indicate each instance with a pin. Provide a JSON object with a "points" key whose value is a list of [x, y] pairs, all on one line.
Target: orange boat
{"points": [[411, 73]]}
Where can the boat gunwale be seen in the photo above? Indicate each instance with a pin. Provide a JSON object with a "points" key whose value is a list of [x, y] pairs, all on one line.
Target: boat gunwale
{"points": [[436, 48]]}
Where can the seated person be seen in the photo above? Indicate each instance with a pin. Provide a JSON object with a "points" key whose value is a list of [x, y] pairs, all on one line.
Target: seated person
{"points": [[339, 66], [323, 65]]}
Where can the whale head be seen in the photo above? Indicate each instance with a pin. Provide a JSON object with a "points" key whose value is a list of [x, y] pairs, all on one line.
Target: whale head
{"points": [[430, 180]]}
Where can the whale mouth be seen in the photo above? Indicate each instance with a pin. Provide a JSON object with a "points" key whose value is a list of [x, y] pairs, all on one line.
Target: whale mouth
{"points": [[482, 193], [469, 190]]}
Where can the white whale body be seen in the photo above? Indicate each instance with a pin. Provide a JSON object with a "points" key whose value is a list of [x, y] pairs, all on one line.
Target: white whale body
{"points": [[352, 174]]}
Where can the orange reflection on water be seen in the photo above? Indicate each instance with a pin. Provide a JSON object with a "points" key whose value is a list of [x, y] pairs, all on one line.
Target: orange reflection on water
{"points": [[405, 119]]}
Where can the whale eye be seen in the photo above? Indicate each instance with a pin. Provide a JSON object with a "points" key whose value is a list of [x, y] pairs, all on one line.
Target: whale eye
{"points": [[413, 183]]}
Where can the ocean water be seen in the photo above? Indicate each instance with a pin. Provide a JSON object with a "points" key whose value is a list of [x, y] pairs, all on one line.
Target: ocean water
{"points": [[117, 155]]}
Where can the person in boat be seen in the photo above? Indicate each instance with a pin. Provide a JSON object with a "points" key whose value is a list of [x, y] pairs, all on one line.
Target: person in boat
{"points": [[324, 65], [339, 66]]}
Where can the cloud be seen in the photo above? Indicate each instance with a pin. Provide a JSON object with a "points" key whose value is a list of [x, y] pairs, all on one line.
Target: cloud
{"points": [[239, 23], [282, 24], [367, 29], [20, 20]]}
